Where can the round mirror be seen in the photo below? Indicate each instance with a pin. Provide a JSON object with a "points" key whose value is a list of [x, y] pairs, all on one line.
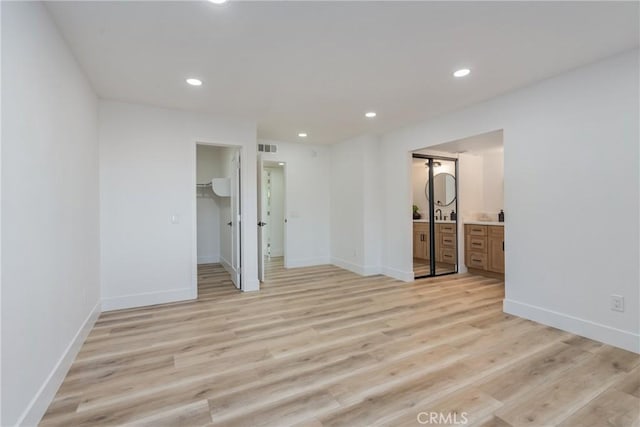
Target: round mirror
{"points": [[444, 189]]}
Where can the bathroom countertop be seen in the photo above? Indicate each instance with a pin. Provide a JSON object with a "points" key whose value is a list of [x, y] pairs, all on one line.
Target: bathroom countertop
{"points": [[484, 223], [438, 221]]}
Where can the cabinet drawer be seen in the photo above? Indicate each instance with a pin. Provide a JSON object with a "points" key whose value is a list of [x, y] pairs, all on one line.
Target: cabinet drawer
{"points": [[496, 230], [446, 228], [448, 255], [477, 260], [421, 226], [448, 240], [477, 244], [476, 230]]}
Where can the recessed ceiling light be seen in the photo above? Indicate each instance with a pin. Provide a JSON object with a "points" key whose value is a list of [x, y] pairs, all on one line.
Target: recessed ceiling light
{"points": [[281, 164], [302, 135], [194, 82], [218, 1], [462, 72], [370, 114]]}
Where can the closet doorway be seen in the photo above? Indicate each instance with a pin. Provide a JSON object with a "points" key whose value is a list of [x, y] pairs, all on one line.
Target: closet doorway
{"points": [[218, 211], [435, 215]]}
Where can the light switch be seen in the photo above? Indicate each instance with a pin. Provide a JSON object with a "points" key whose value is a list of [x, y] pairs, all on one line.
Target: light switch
{"points": [[175, 219]]}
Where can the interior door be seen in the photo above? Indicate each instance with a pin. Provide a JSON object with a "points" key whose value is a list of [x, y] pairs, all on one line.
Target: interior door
{"points": [[236, 225], [261, 219]]}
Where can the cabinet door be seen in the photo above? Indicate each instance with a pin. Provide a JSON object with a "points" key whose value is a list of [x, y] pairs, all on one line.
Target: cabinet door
{"points": [[496, 254], [420, 244]]}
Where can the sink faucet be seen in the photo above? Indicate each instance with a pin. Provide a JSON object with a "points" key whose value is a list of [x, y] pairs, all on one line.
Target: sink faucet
{"points": [[436, 211]]}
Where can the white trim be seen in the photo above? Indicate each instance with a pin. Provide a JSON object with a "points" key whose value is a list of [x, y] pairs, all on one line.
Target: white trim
{"points": [[366, 270], [208, 259], [616, 337], [371, 270], [405, 276], [43, 398], [277, 252], [250, 285], [227, 266], [307, 262], [148, 298]]}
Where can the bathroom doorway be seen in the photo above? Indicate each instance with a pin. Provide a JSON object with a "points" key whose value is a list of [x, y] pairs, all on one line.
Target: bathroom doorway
{"points": [[271, 217], [479, 205], [435, 212]]}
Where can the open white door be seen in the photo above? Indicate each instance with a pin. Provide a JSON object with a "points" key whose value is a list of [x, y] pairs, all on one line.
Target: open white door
{"points": [[261, 219], [236, 259]]}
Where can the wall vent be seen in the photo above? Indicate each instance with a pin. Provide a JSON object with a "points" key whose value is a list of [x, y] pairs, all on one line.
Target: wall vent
{"points": [[267, 148]]}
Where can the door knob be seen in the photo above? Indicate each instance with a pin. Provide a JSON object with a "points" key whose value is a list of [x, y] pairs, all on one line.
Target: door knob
{"points": [[262, 224], [229, 223]]}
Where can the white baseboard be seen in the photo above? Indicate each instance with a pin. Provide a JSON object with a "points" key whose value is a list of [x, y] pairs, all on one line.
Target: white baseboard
{"points": [[366, 270], [586, 328], [232, 271], [208, 259], [148, 298], [43, 398], [227, 265], [405, 276], [307, 262]]}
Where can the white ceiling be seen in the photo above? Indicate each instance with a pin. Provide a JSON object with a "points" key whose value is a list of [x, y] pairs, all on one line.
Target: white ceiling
{"points": [[476, 144], [318, 67]]}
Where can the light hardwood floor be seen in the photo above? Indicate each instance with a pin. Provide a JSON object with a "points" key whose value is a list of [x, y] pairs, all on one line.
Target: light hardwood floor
{"points": [[422, 268], [321, 346]]}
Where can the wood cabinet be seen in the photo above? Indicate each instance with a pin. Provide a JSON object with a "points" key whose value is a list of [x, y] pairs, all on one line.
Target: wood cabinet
{"points": [[484, 248], [496, 249], [421, 248], [446, 244]]}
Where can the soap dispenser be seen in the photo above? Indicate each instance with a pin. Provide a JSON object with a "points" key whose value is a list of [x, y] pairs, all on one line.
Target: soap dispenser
{"points": [[454, 216], [501, 216]]}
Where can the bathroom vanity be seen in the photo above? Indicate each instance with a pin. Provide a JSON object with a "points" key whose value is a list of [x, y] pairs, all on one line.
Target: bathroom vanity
{"points": [[484, 248], [445, 242]]}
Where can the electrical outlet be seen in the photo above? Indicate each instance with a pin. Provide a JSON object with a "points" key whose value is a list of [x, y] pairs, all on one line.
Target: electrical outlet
{"points": [[617, 303]]}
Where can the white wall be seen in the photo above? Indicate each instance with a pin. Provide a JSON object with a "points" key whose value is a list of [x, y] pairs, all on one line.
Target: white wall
{"points": [[50, 260], [147, 175], [471, 186], [307, 183], [208, 204], [563, 258], [493, 181], [356, 214]]}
